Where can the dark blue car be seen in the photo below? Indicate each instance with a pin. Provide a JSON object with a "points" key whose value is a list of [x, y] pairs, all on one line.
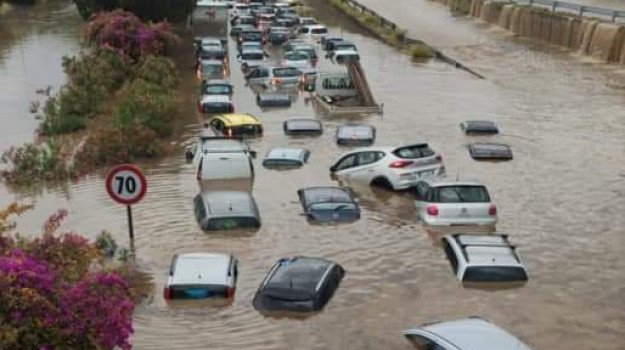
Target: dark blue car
{"points": [[329, 204]]}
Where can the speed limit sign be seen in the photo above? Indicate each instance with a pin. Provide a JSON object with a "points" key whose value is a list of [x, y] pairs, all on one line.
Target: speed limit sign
{"points": [[126, 184]]}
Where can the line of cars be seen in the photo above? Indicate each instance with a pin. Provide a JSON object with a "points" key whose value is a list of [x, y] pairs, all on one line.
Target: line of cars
{"points": [[305, 284]]}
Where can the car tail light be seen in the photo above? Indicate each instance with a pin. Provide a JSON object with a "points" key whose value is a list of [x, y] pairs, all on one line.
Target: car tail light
{"points": [[229, 292], [492, 210], [439, 158], [276, 81], [399, 164], [432, 210], [166, 293]]}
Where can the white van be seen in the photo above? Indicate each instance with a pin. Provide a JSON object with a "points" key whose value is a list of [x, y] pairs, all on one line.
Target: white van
{"points": [[219, 158]]}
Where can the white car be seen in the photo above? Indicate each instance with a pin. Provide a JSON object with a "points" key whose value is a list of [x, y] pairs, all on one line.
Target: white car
{"points": [[392, 167], [443, 202], [213, 104], [297, 59], [313, 32], [200, 276], [471, 333], [484, 258], [240, 10], [219, 158]]}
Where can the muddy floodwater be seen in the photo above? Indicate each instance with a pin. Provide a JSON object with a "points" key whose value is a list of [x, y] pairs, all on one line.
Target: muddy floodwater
{"points": [[561, 200]]}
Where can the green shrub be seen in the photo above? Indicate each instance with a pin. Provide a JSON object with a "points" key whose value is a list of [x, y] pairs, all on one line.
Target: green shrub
{"points": [[146, 104], [157, 70], [35, 162]]}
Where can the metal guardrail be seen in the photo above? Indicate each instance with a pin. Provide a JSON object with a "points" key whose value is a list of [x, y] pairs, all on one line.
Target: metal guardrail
{"points": [[581, 10], [365, 10]]}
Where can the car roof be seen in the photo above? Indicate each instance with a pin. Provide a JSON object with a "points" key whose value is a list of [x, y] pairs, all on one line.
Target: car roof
{"points": [[494, 249], [286, 153], [215, 98], [326, 194], [315, 26], [238, 119], [479, 125], [222, 144], [315, 269], [303, 123], [229, 203], [210, 41], [253, 50], [201, 268], [442, 182], [471, 334]]}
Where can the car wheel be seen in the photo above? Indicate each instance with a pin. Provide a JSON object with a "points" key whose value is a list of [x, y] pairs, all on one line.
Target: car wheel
{"points": [[382, 182]]}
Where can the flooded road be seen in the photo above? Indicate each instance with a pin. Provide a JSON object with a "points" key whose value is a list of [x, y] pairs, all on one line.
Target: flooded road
{"points": [[561, 199]]}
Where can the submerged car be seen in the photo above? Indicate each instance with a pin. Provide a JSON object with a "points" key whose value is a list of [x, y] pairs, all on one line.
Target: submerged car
{"points": [[274, 76], [392, 167], [286, 158], [355, 135], [441, 202], [201, 275], [211, 104], [219, 158], [236, 125], [273, 99], [474, 127], [298, 284], [484, 258], [328, 204], [490, 151], [302, 126], [472, 333], [226, 210]]}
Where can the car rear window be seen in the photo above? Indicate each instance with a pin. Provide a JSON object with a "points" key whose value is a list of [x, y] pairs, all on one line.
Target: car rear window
{"points": [[248, 129], [231, 223], [217, 89], [252, 36], [197, 291], [252, 56], [301, 274], [319, 31], [461, 194], [217, 107], [281, 162], [286, 72], [494, 274], [414, 152]]}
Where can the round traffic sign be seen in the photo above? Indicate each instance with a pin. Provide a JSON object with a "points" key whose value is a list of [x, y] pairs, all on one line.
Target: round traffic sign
{"points": [[126, 184]]}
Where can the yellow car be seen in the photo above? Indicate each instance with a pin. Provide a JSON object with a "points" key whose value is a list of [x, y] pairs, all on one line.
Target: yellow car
{"points": [[235, 125]]}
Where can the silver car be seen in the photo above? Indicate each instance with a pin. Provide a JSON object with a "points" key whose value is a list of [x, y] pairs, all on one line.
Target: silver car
{"points": [[471, 333], [274, 76], [443, 202]]}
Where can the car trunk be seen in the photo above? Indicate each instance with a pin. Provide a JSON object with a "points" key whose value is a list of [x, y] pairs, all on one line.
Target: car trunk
{"points": [[226, 166]]}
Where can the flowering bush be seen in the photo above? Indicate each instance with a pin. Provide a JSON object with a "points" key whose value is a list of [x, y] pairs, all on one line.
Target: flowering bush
{"points": [[151, 10], [51, 300], [126, 34]]}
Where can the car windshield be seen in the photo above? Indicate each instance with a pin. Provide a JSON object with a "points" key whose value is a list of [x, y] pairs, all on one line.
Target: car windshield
{"points": [[413, 152], [252, 56], [296, 56], [282, 162], [231, 223], [494, 274], [197, 291], [217, 89], [462, 194], [210, 68]]}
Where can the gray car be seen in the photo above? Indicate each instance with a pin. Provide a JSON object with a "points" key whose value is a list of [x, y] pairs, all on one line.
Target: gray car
{"points": [[465, 334], [226, 210], [274, 76], [355, 135], [329, 204], [286, 158]]}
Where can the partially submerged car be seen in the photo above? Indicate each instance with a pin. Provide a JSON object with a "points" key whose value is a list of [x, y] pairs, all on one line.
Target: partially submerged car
{"points": [[302, 126], [216, 87], [201, 275], [213, 104], [355, 135], [484, 258], [221, 158], [211, 69], [273, 99], [490, 151], [274, 76], [344, 56], [395, 168], [286, 158], [475, 127], [465, 334], [226, 210], [298, 284], [328, 204], [442, 202], [236, 125], [298, 59], [251, 58]]}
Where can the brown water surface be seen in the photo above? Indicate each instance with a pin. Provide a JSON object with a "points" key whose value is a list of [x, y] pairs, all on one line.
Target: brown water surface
{"points": [[561, 199]]}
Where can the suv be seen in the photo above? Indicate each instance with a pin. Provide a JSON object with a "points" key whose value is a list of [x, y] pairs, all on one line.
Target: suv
{"points": [[445, 203], [274, 76], [298, 284], [201, 275], [392, 167], [465, 334], [484, 258], [219, 158], [226, 210]]}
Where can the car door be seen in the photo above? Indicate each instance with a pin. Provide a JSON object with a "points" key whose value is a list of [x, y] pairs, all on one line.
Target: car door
{"points": [[344, 166], [366, 166]]}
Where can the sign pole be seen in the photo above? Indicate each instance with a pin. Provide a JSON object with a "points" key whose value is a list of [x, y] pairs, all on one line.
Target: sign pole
{"points": [[131, 231]]}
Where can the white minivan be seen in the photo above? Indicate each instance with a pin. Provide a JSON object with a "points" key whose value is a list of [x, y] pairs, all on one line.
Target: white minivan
{"points": [[219, 158]]}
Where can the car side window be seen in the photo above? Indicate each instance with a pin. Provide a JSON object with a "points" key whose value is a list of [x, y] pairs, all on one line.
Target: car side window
{"points": [[453, 259], [346, 162], [365, 158], [198, 206], [423, 343]]}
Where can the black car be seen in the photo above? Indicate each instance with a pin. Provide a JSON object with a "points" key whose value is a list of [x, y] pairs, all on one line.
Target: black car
{"points": [[490, 151], [328, 204], [298, 284], [472, 127]]}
